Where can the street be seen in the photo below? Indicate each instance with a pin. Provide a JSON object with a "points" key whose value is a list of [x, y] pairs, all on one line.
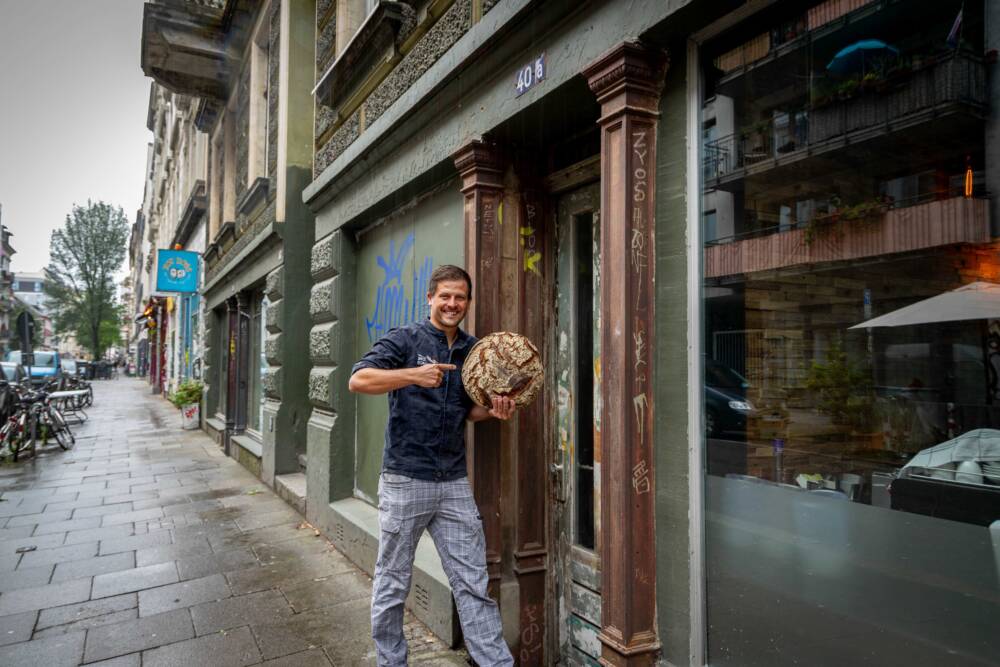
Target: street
{"points": [[147, 545]]}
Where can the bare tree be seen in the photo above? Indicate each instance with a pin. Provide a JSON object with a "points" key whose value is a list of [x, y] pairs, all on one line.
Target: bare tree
{"points": [[80, 278]]}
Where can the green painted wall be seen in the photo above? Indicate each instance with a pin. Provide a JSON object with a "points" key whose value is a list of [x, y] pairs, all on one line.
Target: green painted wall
{"points": [[395, 260], [671, 387]]}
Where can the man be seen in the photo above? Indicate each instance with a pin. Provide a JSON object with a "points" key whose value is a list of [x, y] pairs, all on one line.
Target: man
{"points": [[423, 482]]}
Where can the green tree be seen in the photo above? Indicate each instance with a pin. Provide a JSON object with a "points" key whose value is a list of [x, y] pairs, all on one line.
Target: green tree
{"points": [[80, 279]]}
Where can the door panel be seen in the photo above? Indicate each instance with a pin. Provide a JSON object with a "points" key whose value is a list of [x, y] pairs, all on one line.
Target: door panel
{"points": [[577, 454]]}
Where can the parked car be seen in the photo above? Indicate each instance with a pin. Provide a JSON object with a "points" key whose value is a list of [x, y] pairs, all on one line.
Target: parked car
{"points": [[726, 404], [11, 371], [45, 366]]}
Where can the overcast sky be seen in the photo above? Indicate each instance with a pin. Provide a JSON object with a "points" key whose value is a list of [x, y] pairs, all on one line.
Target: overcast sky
{"points": [[72, 114]]}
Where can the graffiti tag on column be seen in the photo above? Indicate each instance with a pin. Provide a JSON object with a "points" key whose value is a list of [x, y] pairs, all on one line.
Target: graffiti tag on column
{"points": [[640, 185], [639, 405], [529, 241], [640, 478], [530, 635], [489, 233], [395, 304], [639, 339]]}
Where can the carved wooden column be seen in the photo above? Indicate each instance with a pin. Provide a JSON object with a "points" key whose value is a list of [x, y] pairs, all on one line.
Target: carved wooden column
{"points": [[478, 165], [627, 82]]}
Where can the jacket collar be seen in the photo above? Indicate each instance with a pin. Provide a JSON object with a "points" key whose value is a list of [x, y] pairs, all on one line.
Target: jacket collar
{"points": [[461, 338]]}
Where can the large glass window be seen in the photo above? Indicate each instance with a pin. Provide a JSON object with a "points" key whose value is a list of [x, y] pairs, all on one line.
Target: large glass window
{"points": [[224, 345], [851, 336], [258, 364]]}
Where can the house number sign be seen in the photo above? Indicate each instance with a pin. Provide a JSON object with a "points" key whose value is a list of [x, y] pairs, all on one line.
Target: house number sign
{"points": [[530, 75]]}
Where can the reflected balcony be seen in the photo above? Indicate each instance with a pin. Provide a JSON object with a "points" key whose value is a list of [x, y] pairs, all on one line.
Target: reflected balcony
{"points": [[938, 105], [898, 230]]}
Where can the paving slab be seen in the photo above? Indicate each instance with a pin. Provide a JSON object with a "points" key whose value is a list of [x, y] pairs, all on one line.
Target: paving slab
{"points": [[280, 517], [90, 567], [233, 648], [313, 658], [130, 660], [343, 587], [136, 579], [344, 629], [154, 555], [116, 545], [88, 623], [16, 628], [56, 554], [110, 641], [28, 577], [21, 544], [77, 612], [183, 594], [42, 597], [192, 567], [68, 525], [62, 651], [99, 534], [263, 608], [131, 517], [101, 510]]}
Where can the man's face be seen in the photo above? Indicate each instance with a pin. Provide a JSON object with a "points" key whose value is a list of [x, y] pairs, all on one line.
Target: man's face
{"points": [[449, 303]]}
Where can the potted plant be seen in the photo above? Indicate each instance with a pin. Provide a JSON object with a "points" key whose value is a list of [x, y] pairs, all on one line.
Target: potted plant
{"points": [[188, 399], [844, 392]]}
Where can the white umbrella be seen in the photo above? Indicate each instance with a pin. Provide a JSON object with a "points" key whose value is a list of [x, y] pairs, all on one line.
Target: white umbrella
{"points": [[975, 301]]}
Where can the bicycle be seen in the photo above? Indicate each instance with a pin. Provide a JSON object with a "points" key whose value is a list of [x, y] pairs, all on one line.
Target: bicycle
{"points": [[17, 433], [48, 420]]}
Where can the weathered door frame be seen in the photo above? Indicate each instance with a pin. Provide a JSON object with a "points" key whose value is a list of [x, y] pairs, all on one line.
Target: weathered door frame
{"points": [[574, 578]]}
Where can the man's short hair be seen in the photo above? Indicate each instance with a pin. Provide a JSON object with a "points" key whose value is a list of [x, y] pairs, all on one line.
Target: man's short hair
{"points": [[448, 272]]}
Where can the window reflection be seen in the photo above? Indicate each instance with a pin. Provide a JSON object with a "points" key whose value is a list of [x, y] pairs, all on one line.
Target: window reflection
{"points": [[852, 335]]}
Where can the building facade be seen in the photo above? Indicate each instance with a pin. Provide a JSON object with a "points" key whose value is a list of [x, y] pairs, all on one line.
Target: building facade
{"points": [[6, 286], [754, 242], [249, 101]]}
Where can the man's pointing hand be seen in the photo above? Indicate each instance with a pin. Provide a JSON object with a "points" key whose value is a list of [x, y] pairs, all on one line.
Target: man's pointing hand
{"points": [[431, 375]]}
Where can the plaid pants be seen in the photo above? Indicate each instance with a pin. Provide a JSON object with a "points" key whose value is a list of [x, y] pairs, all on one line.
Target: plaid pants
{"points": [[448, 510]]}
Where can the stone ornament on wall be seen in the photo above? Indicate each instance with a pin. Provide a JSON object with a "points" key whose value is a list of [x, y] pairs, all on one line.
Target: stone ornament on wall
{"points": [[505, 364]]}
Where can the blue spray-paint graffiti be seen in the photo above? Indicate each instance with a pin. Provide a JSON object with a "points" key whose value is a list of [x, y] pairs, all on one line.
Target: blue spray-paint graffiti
{"points": [[394, 304]]}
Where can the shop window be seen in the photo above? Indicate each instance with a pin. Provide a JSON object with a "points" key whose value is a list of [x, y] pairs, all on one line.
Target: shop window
{"points": [[258, 364], [223, 345], [851, 400]]}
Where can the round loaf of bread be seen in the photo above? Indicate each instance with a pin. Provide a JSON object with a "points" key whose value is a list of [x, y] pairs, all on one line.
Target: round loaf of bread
{"points": [[506, 364]]}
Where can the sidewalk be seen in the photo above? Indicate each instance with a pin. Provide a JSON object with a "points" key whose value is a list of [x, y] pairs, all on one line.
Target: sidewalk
{"points": [[147, 545]]}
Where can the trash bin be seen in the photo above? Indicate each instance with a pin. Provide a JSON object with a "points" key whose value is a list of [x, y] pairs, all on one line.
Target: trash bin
{"points": [[190, 414]]}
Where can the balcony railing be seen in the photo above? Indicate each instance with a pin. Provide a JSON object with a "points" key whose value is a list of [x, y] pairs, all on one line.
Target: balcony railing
{"points": [[882, 105]]}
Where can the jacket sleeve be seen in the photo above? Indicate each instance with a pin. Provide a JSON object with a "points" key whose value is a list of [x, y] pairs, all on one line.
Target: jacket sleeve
{"points": [[389, 352]]}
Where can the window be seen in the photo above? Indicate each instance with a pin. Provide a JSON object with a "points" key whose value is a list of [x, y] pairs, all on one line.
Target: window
{"points": [[216, 181], [224, 343], [15, 286], [38, 287], [257, 148], [258, 364], [847, 414]]}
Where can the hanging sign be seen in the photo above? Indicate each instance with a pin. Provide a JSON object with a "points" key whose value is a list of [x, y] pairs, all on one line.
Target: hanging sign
{"points": [[176, 271]]}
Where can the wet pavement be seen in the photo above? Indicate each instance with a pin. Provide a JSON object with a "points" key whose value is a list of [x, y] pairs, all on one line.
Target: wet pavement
{"points": [[147, 545]]}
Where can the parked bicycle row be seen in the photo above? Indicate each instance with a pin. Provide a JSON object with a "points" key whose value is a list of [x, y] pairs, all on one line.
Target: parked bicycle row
{"points": [[39, 413]]}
